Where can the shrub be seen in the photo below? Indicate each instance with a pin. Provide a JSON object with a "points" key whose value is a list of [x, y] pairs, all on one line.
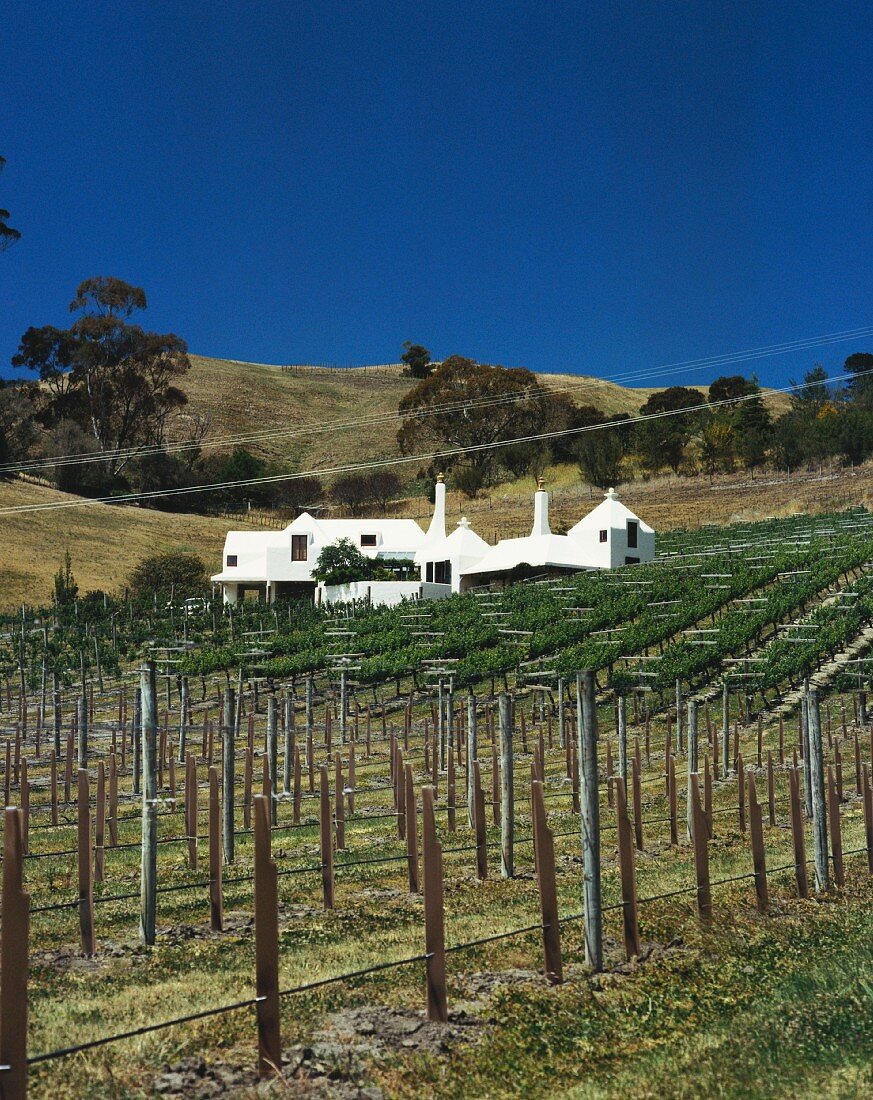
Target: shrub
{"points": [[169, 576]]}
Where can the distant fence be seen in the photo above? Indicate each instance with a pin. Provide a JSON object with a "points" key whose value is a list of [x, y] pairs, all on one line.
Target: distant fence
{"points": [[341, 368]]}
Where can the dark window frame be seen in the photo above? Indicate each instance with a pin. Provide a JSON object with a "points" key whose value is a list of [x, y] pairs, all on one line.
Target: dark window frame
{"points": [[633, 534], [604, 534], [296, 541], [232, 560], [369, 540]]}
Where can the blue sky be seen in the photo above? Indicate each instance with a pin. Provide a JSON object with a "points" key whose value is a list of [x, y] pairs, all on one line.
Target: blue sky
{"points": [[596, 187]]}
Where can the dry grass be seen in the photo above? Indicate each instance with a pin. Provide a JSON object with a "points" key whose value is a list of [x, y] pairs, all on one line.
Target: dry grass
{"points": [[250, 397], [666, 502], [105, 542]]}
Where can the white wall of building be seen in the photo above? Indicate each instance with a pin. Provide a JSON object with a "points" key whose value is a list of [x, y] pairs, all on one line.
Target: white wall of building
{"points": [[381, 593]]}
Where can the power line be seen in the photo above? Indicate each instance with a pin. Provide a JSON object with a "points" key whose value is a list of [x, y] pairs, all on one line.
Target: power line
{"points": [[447, 407], [450, 452]]}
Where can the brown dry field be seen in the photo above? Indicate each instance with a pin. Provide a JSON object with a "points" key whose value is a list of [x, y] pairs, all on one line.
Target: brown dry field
{"points": [[105, 542], [243, 398]]}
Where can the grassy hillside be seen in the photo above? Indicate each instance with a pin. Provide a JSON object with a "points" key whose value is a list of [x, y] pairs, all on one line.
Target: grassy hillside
{"points": [[105, 542], [242, 398]]}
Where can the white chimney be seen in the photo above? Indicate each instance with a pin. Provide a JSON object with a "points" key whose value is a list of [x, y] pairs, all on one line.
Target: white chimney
{"points": [[541, 511], [437, 529]]}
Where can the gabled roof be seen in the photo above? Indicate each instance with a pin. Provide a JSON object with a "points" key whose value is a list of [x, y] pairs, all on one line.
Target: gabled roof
{"points": [[610, 512], [462, 543], [398, 534]]}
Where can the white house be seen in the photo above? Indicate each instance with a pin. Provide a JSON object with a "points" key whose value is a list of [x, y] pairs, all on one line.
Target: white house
{"points": [[280, 563], [540, 552], [441, 558], [611, 535]]}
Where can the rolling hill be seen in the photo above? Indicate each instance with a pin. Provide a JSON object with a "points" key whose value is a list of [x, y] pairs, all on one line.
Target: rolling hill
{"points": [[244, 398], [105, 541]]}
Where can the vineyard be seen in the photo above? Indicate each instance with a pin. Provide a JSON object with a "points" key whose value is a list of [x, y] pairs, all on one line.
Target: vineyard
{"points": [[612, 832]]}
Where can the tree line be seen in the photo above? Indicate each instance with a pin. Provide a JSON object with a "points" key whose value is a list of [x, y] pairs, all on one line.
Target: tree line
{"points": [[105, 414], [473, 408]]}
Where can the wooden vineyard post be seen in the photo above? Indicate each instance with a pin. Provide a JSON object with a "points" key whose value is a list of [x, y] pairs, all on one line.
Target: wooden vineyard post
{"points": [[338, 804], [674, 822], [836, 830], [289, 747], [692, 760], [266, 942], [411, 830], [100, 823], [472, 754], [248, 768], [756, 834], [859, 786], [298, 786], [621, 708], [507, 789], [400, 769], [495, 781], [149, 865], [68, 770], [113, 800], [771, 790], [227, 775], [867, 796], [586, 721], [25, 807], [638, 800], [86, 886], [741, 793], [679, 737], [797, 833], [707, 796], [272, 757], [14, 946], [450, 788], [815, 753], [544, 850], [53, 763], [326, 834], [481, 837], [725, 729], [608, 775], [183, 721], [434, 913], [191, 809], [628, 873], [805, 753], [701, 852], [760, 741], [216, 902], [83, 732]]}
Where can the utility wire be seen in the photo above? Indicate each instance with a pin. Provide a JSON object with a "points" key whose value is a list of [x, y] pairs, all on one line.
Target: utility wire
{"points": [[460, 405], [449, 452]]}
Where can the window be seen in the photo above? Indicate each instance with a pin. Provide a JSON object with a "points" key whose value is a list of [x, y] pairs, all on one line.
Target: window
{"points": [[631, 561], [428, 572], [368, 540], [632, 528], [299, 547], [231, 560], [443, 572], [604, 535]]}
